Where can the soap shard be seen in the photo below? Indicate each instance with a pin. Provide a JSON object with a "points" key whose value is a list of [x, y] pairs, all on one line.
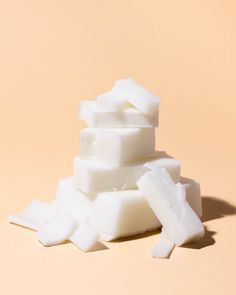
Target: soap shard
{"points": [[92, 177], [85, 237], [166, 200], [33, 217], [96, 117], [116, 146], [164, 247], [128, 91], [57, 229]]}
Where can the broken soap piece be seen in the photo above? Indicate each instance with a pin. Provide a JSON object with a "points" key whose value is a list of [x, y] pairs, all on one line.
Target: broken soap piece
{"points": [[57, 229], [96, 117], [117, 146], [85, 237], [164, 247], [92, 177], [33, 216], [128, 91], [166, 199]]}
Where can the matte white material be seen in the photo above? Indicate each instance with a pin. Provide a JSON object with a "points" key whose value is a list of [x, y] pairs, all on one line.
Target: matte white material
{"points": [[58, 229], [96, 117], [168, 202], [33, 216], [92, 177], [113, 214], [127, 90], [164, 247], [116, 146], [110, 102], [85, 237]]}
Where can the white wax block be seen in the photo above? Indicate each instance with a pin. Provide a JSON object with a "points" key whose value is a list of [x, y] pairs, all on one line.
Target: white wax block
{"points": [[193, 194], [96, 117], [166, 199], [164, 247], [92, 177], [58, 229], [85, 237], [116, 146], [113, 214], [128, 91], [33, 216]]}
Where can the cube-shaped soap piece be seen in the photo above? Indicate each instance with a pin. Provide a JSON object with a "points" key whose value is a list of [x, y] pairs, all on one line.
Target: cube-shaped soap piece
{"points": [[168, 202], [93, 177], [193, 194], [116, 146], [114, 214], [96, 117], [129, 91]]}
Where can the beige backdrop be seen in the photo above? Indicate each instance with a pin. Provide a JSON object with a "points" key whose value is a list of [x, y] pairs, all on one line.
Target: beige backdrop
{"points": [[55, 53]]}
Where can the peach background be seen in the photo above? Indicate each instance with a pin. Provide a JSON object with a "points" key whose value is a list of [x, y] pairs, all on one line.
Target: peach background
{"points": [[54, 53]]}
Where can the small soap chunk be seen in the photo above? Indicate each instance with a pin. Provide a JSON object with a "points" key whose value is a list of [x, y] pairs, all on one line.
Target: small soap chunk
{"points": [[96, 117], [58, 229], [116, 146], [128, 91], [33, 216], [85, 237], [168, 202], [164, 247], [92, 177]]}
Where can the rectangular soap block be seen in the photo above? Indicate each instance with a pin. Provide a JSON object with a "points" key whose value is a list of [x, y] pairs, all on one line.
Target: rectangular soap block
{"points": [[96, 117], [168, 202], [128, 92], [113, 214], [116, 146], [92, 177]]}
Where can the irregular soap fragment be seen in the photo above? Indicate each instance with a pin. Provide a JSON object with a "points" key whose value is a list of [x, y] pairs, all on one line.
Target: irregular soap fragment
{"points": [[127, 90], [175, 214], [58, 228], [85, 237], [33, 216], [96, 117], [116, 146], [110, 102], [92, 177], [164, 247]]}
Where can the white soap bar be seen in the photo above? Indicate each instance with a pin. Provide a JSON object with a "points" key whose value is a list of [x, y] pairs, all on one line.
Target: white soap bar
{"points": [[128, 90], [116, 146], [85, 237], [193, 194], [113, 214], [34, 216], [96, 117], [164, 247], [168, 202], [57, 229], [92, 177]]}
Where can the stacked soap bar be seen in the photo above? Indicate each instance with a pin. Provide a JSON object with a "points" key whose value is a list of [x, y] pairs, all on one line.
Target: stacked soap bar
{"points": [[116, 149], [121, 185]]}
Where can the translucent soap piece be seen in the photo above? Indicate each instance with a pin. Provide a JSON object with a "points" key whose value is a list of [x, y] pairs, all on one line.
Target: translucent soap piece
{"points": [[164, 247]]}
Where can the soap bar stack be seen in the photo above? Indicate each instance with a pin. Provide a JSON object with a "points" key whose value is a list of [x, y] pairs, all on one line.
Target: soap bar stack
{"points": [[116, 149], [121, 185]]}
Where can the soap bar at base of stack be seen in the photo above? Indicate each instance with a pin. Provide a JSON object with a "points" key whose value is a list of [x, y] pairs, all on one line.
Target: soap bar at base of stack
{"points": [[113, 214], [117, 146], [92, 177], [96, 117], [168, 201]]}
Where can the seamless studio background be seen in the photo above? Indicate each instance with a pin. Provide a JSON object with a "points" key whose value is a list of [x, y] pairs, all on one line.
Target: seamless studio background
{"points": [[56, 53]]}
